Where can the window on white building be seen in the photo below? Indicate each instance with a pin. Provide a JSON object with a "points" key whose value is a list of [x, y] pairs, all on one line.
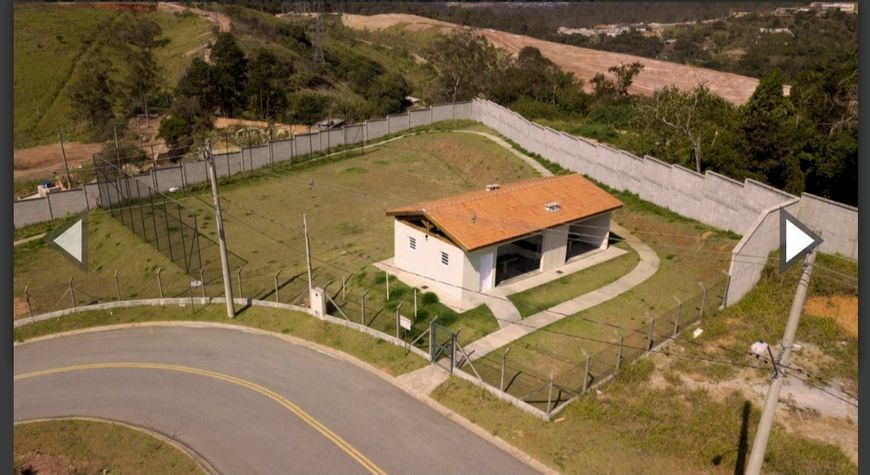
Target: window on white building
{"points": [[445, 259], [412, 243]]}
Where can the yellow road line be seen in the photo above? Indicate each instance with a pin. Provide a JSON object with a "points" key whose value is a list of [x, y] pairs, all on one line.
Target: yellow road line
{"points": [[296, 410]]}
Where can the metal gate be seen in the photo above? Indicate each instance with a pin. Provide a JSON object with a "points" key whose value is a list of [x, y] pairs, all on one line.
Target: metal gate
{"points": [[442, 346]]}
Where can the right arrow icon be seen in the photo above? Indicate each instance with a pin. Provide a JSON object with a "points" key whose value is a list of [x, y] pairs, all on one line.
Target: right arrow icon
{"points": [[795, 239]]}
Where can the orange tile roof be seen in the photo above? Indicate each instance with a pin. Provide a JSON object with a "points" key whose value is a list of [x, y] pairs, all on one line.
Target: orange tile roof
{"points": [[482, 218]]}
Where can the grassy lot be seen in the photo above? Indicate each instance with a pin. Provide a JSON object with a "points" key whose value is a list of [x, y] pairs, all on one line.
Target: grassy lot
{"points": [[545, 296], [381, 312], [73, 446], [689, 253], [384, 356], [51, 41], [634, 427], [345, 209]]}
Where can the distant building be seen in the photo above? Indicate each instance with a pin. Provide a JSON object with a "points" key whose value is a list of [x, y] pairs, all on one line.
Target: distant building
{"points": [[843, 7], [776, 30]]}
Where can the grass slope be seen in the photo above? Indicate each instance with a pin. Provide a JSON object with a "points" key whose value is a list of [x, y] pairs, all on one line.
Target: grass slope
{"points": [[51, 41], [74, 446]]}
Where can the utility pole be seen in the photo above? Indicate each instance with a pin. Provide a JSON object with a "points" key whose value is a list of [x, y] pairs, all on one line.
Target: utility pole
{"points": [[65, 165], [222, 239], [318, 33], [307, 250], [756, 457]]}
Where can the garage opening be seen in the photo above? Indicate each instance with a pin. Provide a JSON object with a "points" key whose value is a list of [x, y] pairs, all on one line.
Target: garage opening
{"points": [[518, 257]]}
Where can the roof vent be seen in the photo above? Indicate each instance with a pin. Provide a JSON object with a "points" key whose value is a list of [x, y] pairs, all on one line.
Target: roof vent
{"points": [[552, 206], [492, 186]]}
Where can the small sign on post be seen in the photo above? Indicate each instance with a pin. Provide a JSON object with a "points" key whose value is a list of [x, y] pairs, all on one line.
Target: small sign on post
{"points": [[404, 322]]}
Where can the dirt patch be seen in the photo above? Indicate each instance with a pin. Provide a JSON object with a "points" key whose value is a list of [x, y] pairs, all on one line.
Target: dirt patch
{"points": [[843, 309], [42, 161], [585, 62], [44, 464], [20, 309], [221, 21]]}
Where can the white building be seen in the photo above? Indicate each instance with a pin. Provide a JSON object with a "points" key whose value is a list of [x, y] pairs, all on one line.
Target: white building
{"points": [[472, 242]]}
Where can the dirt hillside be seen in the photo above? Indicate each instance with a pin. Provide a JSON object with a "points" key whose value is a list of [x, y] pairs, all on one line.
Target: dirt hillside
{"points": [[585, 62]]}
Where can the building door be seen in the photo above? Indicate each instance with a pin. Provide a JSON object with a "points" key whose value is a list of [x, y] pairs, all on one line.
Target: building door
{"points": [[486, 271]]}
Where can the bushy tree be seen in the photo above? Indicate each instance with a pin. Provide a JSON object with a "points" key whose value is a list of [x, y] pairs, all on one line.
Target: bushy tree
{"points": [[465, 65], [91, 91], [624, 75], [770, 136], [267, 83], [198, 83], [229, 73]]}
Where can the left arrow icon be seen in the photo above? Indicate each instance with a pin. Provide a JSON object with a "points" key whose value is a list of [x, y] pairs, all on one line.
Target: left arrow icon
{"points": [[72, 240]]}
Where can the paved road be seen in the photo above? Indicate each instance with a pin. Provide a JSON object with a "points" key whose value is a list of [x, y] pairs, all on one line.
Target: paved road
{"points": [[247, 403]]}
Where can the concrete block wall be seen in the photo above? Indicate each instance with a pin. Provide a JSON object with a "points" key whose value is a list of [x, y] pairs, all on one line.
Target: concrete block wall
{"points": [[398, 122], [282, 150], [420, 117], [376, 129], [837, 222], [752, 252]]}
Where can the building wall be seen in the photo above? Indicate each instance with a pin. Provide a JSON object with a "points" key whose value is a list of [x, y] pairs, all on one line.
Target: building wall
{"points": [[595, 230], [554, 247], [425, 261]]}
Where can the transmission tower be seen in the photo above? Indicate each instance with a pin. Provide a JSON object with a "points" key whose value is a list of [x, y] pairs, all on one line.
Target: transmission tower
{"points": [[318, 32]]}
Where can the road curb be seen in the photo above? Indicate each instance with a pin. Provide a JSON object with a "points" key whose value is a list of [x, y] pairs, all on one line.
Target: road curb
{"points": [[198, 459], [334, 353]]}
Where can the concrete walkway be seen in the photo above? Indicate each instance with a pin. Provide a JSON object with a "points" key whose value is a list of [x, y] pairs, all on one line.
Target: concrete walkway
{"points": [[648, 265], [26, 240]]}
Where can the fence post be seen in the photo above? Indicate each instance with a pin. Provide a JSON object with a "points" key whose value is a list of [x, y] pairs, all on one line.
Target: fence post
{"points": [[48, 201], [27, 300], [432, 339], [239, 273], [586, 373], [649, 333], [415, 303], [388, 284], [725, 292], [452, 351], [677, 317], [398, 325], [159, 282], [619, 354], [362, 315], [276, 285], [202, 282], [271, 158], [503, 363], [344, 288], [703, 303], [550, 393], [72, 292], [117, 287]]}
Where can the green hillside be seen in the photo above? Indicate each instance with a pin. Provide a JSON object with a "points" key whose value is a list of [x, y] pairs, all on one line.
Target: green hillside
{"points": [[51, 41]]}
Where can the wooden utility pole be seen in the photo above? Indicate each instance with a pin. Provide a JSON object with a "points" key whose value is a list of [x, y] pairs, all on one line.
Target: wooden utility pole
{"points": [[759, 446], [307, 250], [222, 240]]}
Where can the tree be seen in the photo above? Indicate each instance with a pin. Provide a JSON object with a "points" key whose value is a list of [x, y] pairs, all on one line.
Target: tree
{"points": [[464, 65], [173, 130], [143, 83], [198, 83], [624, 77], [229, 74], [267, 77], [91, 90], [696, 116], [387, 94], [771, 138]]}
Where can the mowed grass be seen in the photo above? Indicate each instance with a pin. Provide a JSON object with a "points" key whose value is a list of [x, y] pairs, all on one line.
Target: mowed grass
{"points": [[689, 252], [51, 41], [545, 296], [345, 202], [345, 208], [84, 446], [636, 427], [392, 359]]}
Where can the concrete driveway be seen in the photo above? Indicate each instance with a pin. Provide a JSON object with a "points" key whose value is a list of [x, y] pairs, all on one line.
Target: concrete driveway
{"points": [[247, 403]]}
